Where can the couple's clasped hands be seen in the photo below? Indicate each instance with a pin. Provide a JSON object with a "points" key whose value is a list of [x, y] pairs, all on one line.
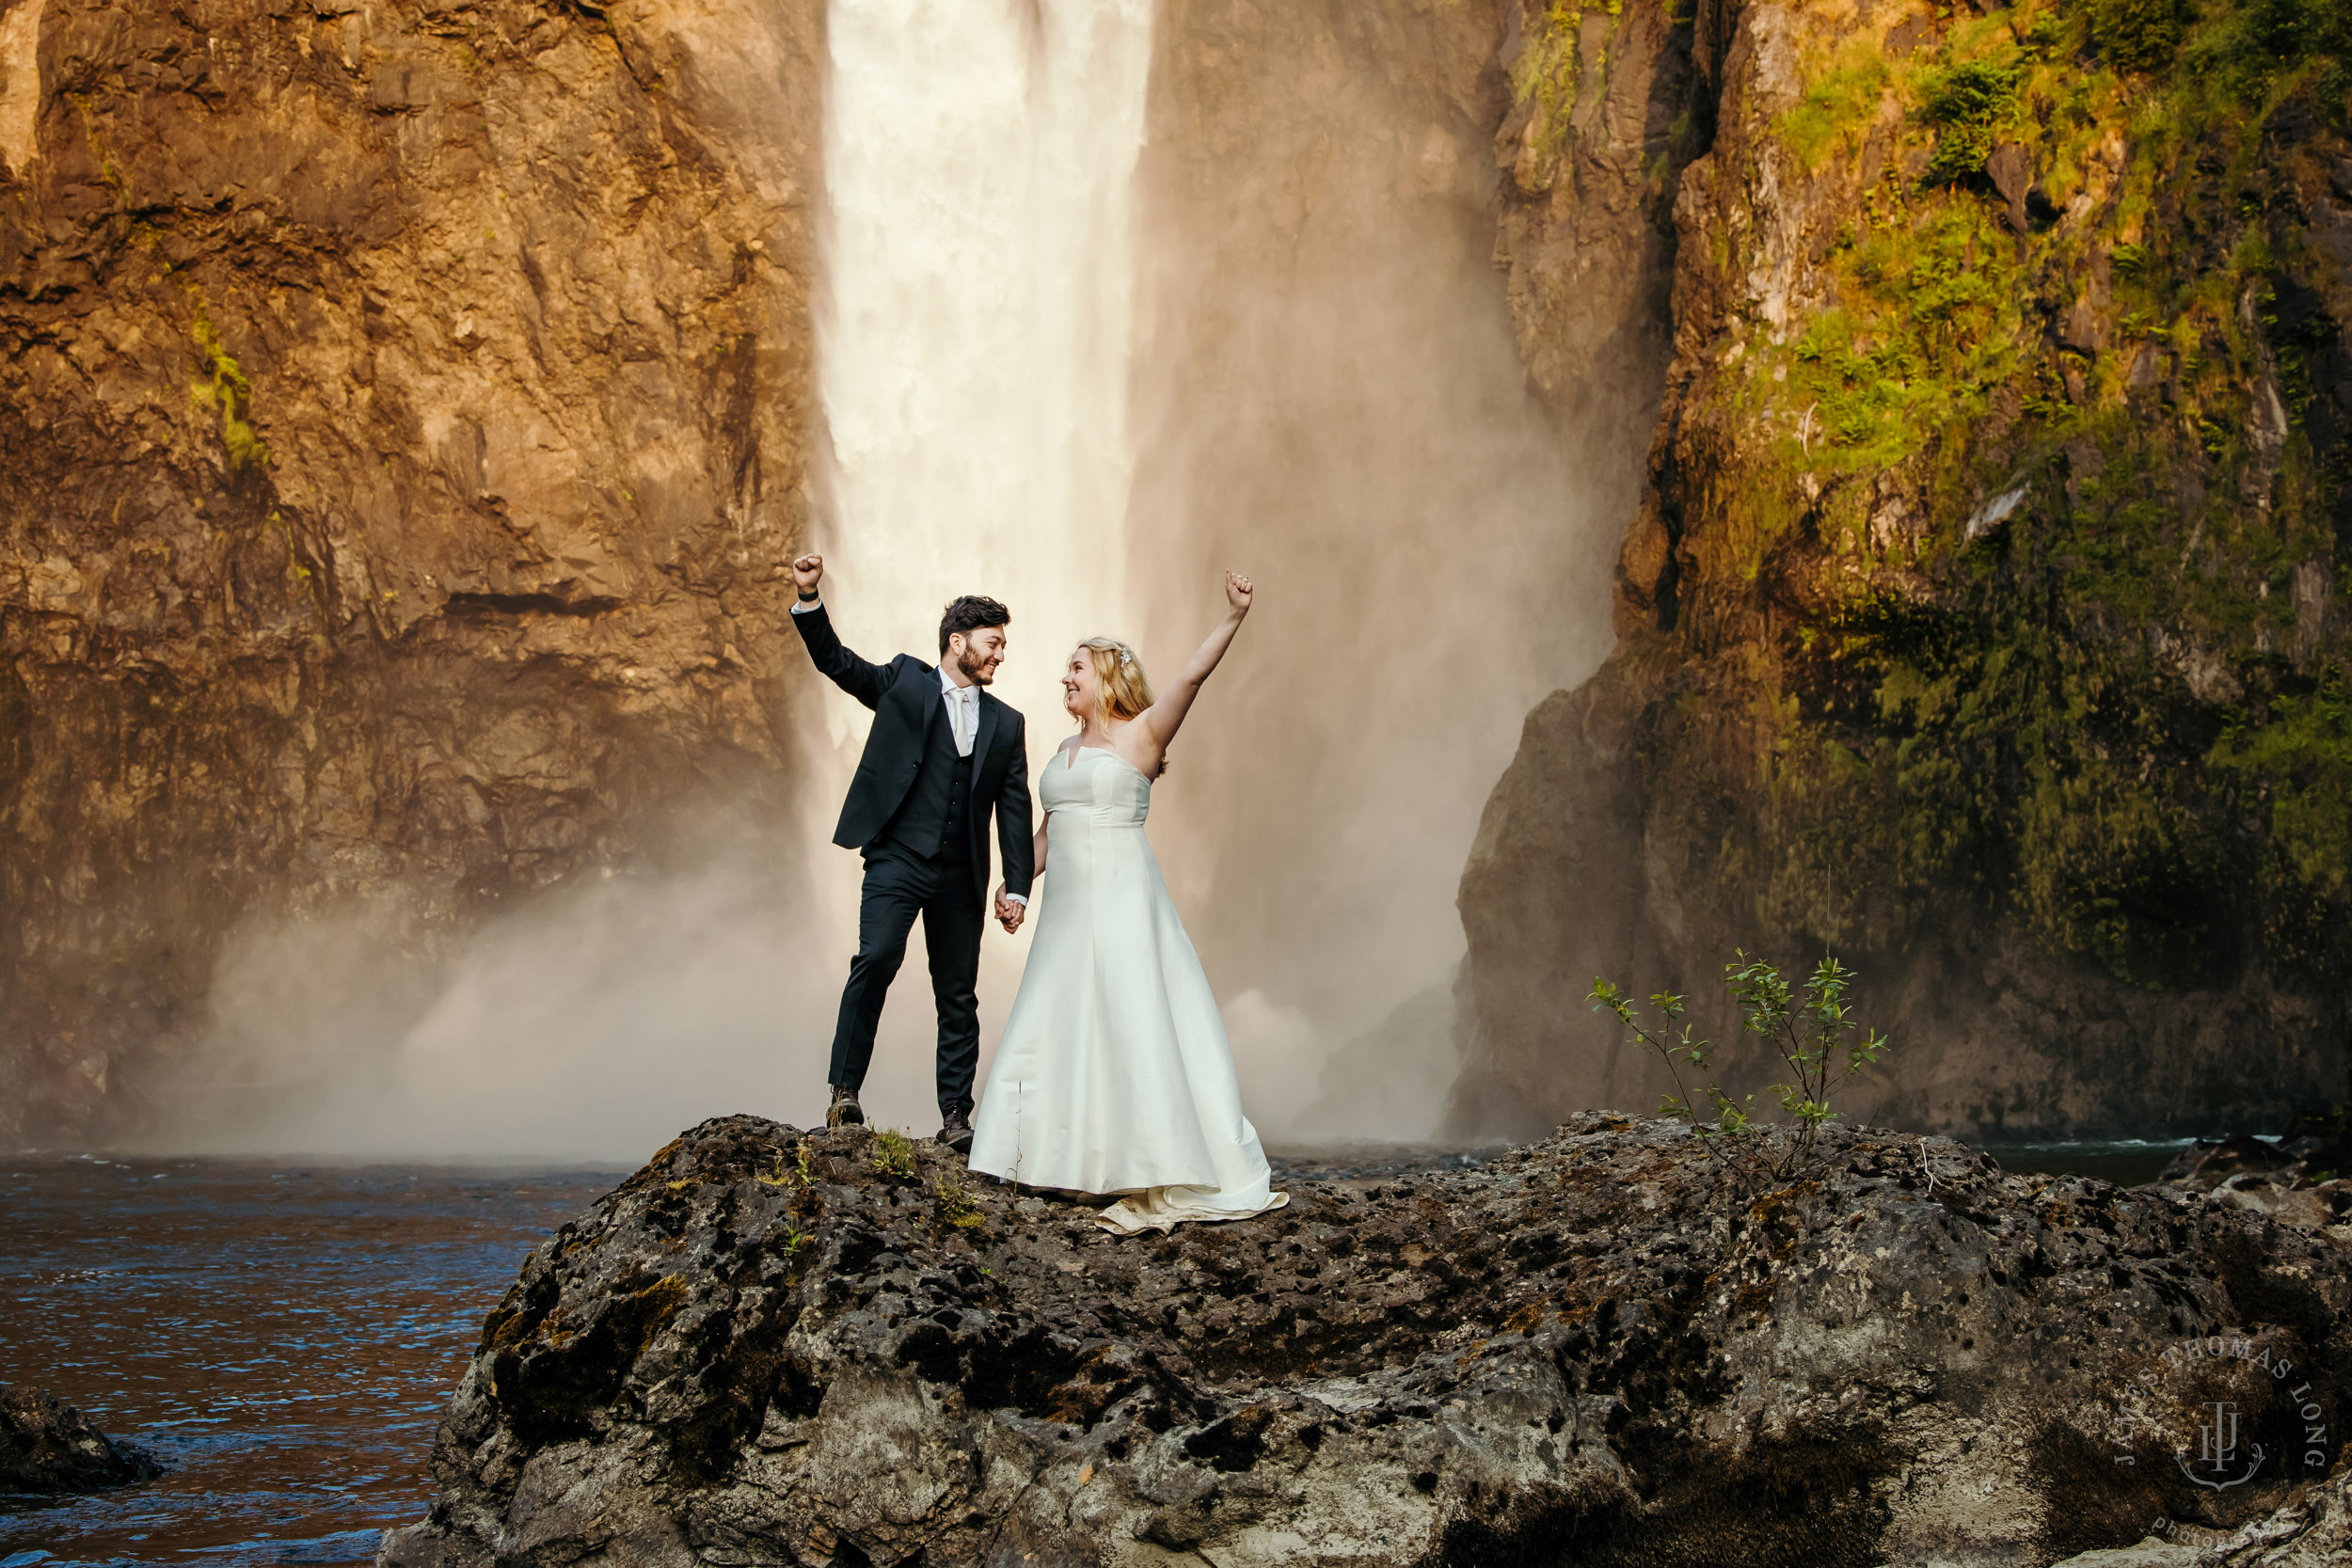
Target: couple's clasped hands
{"points": [[1011, 912]]}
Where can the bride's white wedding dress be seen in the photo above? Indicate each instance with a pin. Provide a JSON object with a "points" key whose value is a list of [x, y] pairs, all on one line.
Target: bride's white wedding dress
{"points": [[1114, 1074]]}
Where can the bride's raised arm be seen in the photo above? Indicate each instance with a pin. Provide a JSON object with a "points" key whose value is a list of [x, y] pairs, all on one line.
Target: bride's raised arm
{"points": [[1163, 718]]}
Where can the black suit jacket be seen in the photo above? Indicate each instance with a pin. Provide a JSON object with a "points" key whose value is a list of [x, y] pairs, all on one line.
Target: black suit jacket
{"points": [[904, 695]]}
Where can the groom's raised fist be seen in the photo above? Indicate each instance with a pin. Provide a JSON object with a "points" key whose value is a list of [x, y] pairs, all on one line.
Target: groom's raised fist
{"points": [[807, 571]]}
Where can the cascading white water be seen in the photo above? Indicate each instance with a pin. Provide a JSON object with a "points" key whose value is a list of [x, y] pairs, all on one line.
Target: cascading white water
{"points": [[973, 363], [980, 164]]}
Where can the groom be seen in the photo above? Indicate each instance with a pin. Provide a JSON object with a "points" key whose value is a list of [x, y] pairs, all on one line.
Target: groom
{"points": [[942, 755]]}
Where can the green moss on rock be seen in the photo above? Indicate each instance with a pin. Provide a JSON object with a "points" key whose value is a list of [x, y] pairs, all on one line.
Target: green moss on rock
{"points": [[2032, 504]]}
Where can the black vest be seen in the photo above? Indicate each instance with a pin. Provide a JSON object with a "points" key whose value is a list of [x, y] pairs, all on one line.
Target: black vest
{"points": [[935, 819]]}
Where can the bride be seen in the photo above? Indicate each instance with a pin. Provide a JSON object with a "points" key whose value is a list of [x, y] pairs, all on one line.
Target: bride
{"points": [[1113, 1074]]}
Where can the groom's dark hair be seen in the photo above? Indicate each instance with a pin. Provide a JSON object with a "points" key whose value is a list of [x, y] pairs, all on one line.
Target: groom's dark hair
{"points": [[970, 613]]}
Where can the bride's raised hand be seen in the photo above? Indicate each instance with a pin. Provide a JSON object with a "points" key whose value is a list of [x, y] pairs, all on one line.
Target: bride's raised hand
{"points": [[1163, 718]]}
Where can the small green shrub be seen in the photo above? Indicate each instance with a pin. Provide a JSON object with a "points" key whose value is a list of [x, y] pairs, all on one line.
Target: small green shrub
{"points": [[2288, 31], [1971, 104], [2138, 36], [1732, 1121], [1810, 1029]]}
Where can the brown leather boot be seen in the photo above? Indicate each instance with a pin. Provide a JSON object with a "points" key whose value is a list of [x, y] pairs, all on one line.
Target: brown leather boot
{"points": [[845, 1111], [956, 1130]]}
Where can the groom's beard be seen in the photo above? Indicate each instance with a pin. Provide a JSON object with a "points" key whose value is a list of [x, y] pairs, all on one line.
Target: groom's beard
{"points": [[979, 674]]}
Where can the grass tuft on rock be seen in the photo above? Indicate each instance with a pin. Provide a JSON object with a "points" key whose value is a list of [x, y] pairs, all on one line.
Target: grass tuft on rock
{"points": [[893, 1155]]}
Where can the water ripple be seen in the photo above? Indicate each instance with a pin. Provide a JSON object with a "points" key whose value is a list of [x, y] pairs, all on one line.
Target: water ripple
{"points": [[281, 1337]]}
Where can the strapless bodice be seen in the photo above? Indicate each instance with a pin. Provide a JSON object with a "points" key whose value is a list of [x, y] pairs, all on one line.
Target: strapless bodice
{"points": [[1100, 788]]}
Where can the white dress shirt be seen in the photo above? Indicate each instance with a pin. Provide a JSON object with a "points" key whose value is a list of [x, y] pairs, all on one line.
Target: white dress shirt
{"points": [[964, 714]]}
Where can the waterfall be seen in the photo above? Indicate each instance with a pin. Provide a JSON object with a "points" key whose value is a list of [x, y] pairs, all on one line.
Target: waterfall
{"points": [[972, 347], [972, 344], [1326, 392]]}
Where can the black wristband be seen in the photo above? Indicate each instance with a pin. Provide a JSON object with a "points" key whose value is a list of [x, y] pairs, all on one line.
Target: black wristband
{"points": [[806, 598]]}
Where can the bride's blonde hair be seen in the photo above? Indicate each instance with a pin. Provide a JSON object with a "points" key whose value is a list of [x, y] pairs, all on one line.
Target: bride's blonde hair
{"points": [[1126, 689]]}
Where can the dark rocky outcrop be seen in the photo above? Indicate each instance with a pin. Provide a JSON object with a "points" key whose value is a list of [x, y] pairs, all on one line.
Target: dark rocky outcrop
{"points": [[2209, 1161], [2298, 1181], [1984, 622], [48, 1445], [772, 1347]]}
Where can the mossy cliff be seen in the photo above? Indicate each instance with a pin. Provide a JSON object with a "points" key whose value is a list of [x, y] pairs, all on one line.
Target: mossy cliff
{"points": [[1983, 621]]}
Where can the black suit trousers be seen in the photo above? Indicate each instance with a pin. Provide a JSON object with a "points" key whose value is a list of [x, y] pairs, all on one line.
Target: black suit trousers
{"points": [[898, 887]]}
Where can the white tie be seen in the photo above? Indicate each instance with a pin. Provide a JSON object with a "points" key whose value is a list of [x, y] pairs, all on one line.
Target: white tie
{"points": [[961, 717]]}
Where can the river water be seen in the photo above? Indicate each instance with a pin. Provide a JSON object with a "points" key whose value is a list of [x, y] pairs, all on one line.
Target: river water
{"points": [[283, 1336]]}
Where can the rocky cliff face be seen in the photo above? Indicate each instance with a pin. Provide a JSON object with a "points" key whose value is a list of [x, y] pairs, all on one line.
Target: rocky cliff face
{"points": [[776, 1346], [403, 409], [1982, 623], [1606, 105]]}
